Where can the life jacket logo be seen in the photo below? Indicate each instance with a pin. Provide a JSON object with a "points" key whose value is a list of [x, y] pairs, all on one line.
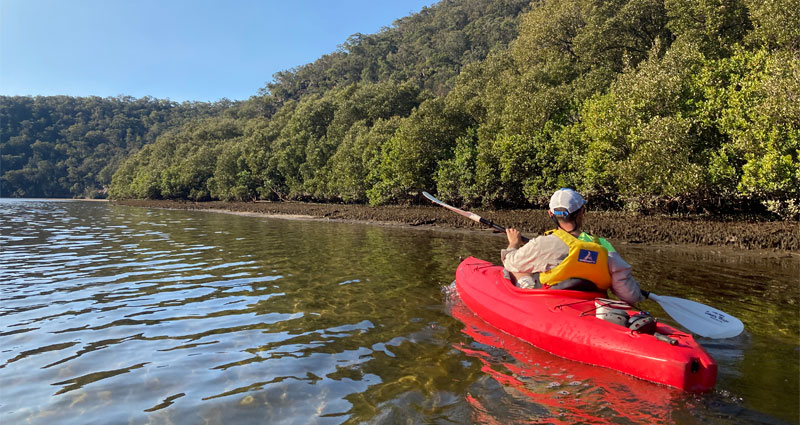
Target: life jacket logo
{"points": [[587, 256]]}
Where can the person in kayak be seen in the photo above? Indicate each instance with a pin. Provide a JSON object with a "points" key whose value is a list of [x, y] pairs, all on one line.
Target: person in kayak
{"points": [[566, 257]]}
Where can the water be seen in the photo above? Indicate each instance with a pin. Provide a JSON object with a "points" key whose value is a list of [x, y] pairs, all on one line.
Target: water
{"points": [[117, 315]]}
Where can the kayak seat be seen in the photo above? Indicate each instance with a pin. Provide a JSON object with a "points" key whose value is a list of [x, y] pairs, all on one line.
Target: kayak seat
{"points": [[577, 284]]}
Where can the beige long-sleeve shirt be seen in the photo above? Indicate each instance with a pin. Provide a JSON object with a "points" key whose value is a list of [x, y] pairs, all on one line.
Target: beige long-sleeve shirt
{"points": [[545, 252]]}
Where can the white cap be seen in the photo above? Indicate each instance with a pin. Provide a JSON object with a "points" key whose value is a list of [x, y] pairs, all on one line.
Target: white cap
{"points": [[568, 199]]}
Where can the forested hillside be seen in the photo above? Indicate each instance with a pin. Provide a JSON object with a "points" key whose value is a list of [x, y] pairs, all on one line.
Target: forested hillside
{"points": [[648, 105], [325, 126], [63, 147]]}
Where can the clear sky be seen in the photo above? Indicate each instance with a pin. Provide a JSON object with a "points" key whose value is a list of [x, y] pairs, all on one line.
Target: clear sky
{"points": [[200, 50]]}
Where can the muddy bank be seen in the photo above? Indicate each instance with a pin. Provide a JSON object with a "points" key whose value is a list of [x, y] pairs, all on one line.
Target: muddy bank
{"points": [[781, 236]]}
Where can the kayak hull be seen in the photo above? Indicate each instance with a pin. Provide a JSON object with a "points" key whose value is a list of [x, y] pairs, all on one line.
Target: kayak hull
{"points": [[563, 323]]}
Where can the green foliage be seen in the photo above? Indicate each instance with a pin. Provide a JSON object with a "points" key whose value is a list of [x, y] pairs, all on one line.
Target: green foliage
{"points": [[349, 171], [625, 131], [713, 25], [302, 148], [179, 164], [455, 178], [409, 159], [558, 161], [662, 164], [233, 178], [63, 146], [752, 97], [776, 24], [363, 104]]}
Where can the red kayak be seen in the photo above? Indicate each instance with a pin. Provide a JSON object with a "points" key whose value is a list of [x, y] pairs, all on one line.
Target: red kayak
{"points": [[564, 323], [598, 394]]}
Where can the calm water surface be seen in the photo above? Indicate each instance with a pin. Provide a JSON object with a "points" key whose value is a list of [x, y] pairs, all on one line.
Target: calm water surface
{"points": [[118, 315]]}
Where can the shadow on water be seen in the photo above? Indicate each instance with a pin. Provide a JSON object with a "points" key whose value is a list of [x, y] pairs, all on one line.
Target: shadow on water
{"points": [[113, 314]]}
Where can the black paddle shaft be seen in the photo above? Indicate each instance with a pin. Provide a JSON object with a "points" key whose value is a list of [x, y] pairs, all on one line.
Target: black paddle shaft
{"points": [[499, 228]]}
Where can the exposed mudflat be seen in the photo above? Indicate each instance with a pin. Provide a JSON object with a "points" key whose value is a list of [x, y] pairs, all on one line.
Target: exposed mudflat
{"points": [[630, 228]]}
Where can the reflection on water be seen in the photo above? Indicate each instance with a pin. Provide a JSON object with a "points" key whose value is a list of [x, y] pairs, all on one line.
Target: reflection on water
{"points": [[547, 387], [113, 314]]}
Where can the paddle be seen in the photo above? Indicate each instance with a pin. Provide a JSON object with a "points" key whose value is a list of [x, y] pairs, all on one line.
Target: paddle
{"points": [[696, 317], [699, 318], [469, 215]]}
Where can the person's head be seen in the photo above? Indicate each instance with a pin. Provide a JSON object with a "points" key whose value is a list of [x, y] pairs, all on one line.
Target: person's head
{"points": [[566, 209]]}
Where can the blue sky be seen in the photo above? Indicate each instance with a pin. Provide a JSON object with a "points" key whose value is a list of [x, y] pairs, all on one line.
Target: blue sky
{"points": [[178, 49]]}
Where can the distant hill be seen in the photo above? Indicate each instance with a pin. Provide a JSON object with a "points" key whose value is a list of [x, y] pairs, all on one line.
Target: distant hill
{"points": [[64, 147]]}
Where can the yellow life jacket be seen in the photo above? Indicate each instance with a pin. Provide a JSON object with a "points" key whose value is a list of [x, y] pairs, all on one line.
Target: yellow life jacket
{"points": [[586, 260]]}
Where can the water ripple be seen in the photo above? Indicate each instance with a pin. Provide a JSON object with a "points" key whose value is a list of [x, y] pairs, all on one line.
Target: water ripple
{"points": [[111, 314]]}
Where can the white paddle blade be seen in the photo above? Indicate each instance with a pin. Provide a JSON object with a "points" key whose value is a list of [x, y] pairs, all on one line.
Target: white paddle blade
{"points": [[467, 214], [700, 318], [431, 198]]}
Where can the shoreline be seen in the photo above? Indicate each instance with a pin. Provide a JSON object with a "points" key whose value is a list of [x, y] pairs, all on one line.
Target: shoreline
{"points": [[779, 236]]}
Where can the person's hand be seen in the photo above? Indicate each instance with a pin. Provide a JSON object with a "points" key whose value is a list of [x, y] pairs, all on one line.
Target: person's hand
{"points": [[514, 238]]}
